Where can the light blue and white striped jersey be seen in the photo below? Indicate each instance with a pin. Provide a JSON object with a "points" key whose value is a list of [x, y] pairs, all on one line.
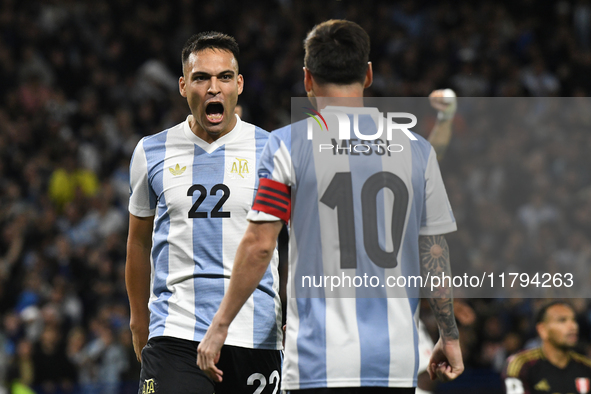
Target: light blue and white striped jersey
{"points": [[200, 194], [377, 202]]}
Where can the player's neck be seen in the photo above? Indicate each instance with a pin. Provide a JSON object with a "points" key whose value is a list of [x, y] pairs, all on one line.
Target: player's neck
{"points": [[557, 357], [338, 95], [204, 135]]}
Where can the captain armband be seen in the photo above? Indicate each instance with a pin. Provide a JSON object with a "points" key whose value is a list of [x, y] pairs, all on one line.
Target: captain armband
{"points": [[273, 198]]}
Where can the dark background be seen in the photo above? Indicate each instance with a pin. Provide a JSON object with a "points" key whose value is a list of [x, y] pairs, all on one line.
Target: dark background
{"points": [[82, 81]]}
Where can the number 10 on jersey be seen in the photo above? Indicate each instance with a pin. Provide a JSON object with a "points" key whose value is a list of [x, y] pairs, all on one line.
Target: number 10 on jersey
{"points": [[339, 195]]}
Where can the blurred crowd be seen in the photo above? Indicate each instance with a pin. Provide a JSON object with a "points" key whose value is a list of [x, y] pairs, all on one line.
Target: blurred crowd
{"points": [[82, 81]]}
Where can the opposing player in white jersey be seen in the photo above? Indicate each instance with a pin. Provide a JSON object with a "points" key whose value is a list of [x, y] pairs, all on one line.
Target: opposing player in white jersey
{"points": [[367, 340], [191, 188]]}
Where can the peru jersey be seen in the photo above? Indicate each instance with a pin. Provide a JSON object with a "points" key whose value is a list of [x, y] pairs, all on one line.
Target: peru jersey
{"points": [[357, 207], [200, 194], [530, 372]]}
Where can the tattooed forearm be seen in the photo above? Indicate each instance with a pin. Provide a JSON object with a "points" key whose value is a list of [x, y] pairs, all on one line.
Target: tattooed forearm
{"points": [[434, 254]]}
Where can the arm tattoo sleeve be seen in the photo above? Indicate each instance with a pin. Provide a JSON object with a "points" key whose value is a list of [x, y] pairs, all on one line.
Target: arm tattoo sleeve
{"points": [[434, 254]]}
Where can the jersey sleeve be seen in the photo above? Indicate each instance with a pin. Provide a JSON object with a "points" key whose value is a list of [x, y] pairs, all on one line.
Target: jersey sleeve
{"points": [[142, 201], [437, 216], [514, 376], [273, 198]]}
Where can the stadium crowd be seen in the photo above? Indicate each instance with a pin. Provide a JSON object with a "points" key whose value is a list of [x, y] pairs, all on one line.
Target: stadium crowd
{"points": [[82, 81]]}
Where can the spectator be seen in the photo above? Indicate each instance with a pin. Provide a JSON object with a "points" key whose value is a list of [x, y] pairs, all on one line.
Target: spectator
{"points": [[68, 180], [52, 370]]}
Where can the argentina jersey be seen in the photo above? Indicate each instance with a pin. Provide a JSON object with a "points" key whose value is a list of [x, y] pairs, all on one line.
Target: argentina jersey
{"points": [[199, 195], [358, 208]]}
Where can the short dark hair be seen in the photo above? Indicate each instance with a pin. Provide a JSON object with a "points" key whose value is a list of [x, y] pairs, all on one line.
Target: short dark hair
{"points": [[210, 40], [541, 315], [337, 51]]}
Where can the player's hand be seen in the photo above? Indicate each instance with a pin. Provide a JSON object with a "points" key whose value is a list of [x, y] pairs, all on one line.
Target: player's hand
{"points": [[139, 336], [208, 351], [445, 102], [446, 361]]}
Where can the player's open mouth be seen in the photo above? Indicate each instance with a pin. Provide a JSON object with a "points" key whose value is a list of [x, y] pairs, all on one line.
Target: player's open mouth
{"points": [[214, 112]]}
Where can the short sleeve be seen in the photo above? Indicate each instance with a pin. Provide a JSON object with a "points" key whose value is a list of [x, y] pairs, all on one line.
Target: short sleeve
{"points": [[515, 374], [437, 216], [142, 202], [514, 385], [275, 165]]}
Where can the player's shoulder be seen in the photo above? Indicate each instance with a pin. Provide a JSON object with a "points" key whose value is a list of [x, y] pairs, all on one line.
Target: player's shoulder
{"points": [[421, 140], [516, 362], [579, 358], [259, 132], [281, 137], [160, 137], [287, 134], [421, 145]]}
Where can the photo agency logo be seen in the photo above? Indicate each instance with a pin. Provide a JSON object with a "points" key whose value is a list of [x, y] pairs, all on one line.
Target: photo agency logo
{"points": [[316, 119], [361, 143]]}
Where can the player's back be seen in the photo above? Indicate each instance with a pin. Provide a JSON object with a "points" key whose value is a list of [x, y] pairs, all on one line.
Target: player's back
{"points": [[358, 208]]}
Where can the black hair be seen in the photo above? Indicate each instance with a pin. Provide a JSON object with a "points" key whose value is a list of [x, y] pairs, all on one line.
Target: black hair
{"points": [[210, 40], [541, 315], [337, 51]]}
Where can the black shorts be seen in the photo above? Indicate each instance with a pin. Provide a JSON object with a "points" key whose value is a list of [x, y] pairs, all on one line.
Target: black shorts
{"points": [[356, 390], [169, 366]]}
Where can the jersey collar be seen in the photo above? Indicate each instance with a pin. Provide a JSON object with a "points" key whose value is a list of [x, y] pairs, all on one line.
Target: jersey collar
{"points": [[209, 148], [372, 111]]}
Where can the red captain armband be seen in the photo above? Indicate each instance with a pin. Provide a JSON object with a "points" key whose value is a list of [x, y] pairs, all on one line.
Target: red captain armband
{"points": [[273, 198]]}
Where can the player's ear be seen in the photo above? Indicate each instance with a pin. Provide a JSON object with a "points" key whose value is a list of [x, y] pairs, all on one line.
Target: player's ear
{"points": [[182, 86], [542, 331], [308, 83], [240, 80], [368, 76]]}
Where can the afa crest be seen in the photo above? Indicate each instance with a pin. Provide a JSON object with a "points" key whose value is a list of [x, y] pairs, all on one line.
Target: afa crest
{"points": [[149, 386], [239, 169]]}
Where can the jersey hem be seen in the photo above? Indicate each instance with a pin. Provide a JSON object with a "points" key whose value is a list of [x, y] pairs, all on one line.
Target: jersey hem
{"points": [[277, 346], [248, 346], [314, 384]]}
